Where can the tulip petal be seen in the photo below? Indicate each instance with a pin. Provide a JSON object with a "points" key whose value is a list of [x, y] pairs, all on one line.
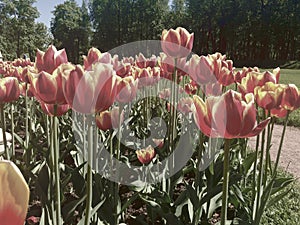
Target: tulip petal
{"points": [[262, 125], [14, 195]]}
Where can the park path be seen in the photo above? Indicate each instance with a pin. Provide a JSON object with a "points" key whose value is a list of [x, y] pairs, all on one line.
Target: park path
{"points": [[290, 153]]}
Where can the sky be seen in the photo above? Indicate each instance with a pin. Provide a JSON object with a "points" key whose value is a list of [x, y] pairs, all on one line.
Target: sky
{"points": [[45, 7]]}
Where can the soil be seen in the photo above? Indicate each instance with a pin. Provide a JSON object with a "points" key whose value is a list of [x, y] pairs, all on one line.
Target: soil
{"points": [[290, 153]]}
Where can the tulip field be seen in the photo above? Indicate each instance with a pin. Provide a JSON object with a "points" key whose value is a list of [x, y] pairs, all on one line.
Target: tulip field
{"points": [[140, 139]]}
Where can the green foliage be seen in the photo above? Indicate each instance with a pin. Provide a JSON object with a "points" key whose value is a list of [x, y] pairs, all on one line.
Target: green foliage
{"points": [[286, 211]]}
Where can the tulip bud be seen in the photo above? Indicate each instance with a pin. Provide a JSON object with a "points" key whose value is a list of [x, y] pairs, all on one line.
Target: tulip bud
{"points": [[109, 119], [145, 155]]}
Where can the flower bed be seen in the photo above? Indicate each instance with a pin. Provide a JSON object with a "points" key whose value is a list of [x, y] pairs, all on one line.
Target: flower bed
{"points": [[158, 139]]}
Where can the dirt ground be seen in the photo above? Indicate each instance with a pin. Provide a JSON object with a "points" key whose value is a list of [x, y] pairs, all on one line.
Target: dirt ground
{"points": [[290, 153]]}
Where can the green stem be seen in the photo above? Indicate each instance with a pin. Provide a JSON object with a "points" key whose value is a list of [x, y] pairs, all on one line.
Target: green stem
{"points": [[268, 157], [281, 143], [12, 130], [26, 118], [225, 182], [89, 173], [4, 132], [56, 167], [254, 173], [261, 171]]}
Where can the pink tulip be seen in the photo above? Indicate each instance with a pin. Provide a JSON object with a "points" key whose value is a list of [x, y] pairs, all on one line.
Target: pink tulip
{"points": [[213, 89], [143, 62], [290, 97], [14, 194], [9, 89], [201, 70], [126, 89], [177, 43], [278, 112], [48, 87], [185, 105], [90, 91], [93, 56], [227, 116], [48, 61]]}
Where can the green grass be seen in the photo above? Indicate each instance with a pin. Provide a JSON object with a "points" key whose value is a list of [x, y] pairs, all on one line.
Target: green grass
{"points": [[290, 76]]}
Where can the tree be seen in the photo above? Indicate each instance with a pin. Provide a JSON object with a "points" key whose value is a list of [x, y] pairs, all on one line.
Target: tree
{"points": [[19, 33], [117, 22], [71, 28]]}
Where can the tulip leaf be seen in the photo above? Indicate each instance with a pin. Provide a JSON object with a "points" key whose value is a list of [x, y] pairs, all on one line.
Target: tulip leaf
{"points": [[68, 209]]}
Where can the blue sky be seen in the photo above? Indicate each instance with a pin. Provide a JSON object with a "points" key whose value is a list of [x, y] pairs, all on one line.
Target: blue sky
{"points": [[45, 8]]}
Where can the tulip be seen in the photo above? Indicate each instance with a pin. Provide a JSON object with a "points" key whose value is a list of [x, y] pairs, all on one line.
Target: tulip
{"points": [[50, 110], [222, 68], [22, 62], [143, 62], [145, 77], [290, 97], [166, 63], [14, 195], [201, 70], [158, 142], [190, 88], [145, 155], [122, 69], [126, 89], [268, 96], [185, 105], [109, 119], [93, 56], [213, 89], [48, 61], [227, 116], [165, 93], [278, 112], [254, 79], [30, 91], [90, 91], [9, 89], [177, 43], [48, 87], [239, 75]]}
